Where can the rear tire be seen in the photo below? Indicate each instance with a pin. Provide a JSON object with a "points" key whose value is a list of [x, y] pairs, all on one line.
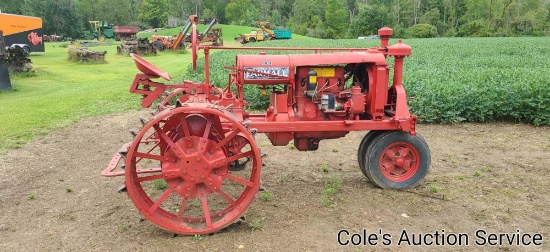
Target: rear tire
{"points": [[397, 160]]}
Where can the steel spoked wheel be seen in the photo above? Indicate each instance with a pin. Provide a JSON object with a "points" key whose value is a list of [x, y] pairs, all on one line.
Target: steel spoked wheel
{"points": [[188, 187], [397, 160]]}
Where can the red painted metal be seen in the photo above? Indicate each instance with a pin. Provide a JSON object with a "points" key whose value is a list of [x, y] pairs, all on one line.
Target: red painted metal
{"points": [[201, 136], [399, 161], [195, 164]]}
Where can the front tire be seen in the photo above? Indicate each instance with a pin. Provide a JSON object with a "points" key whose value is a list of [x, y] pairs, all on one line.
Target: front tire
{"points": [[397, 160], [362, 150]]}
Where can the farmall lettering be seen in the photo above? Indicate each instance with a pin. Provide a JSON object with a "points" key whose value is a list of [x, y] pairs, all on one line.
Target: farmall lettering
{"points": [[194, 167], [265, 73]]}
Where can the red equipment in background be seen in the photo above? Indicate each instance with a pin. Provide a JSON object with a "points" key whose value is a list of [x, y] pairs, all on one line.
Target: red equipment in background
{"points": [[194, 168]]}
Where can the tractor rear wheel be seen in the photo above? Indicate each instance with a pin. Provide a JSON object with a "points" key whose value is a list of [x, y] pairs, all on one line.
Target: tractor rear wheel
{"points": [[397, 160], [189, 187]]}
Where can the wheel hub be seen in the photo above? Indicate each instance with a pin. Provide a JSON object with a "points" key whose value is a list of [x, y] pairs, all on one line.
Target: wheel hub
{"points": [[399, 161], [198, 172]]}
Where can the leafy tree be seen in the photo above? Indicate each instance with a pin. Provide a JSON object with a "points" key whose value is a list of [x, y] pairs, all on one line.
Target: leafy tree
{"points": [[422, 31], [153, 12], [334, 19], [369, 20], [236, 10], [11, 6], [304, 13]]}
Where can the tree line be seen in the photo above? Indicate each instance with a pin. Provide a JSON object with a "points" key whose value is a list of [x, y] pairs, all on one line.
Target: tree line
{"points": [[319, 18]]}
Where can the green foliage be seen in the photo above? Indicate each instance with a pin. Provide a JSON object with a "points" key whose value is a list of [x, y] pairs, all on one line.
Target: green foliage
{"points": [[153, 12], [422, 31], [256, 224], [266, 196], [237, 11], [434, 188], [306, 16], [160, 184], [335, 23], [327, 196], [476, 28], [31, 196], [479, 80], [197, 237], [369, 20], [324, 168]]}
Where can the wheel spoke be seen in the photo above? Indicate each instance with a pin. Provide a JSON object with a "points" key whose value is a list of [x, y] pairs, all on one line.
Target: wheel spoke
{"points": [[404, 152], [182, 208], [208, 126], [184, 125], [169, 141], [206, 212], [228, 137], [388, 166], [202, 144], [390, 153], [235, 157], [239, 180], [226, 197], [149, 178], [149, 151], [160, 200], [149, 156]]}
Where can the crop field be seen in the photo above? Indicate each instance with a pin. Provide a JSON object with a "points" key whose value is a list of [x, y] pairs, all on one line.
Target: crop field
{"points": [[453, 79]]}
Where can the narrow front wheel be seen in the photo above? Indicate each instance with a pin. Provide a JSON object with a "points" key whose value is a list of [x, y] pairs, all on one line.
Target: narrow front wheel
{"points": [[397, 160]]}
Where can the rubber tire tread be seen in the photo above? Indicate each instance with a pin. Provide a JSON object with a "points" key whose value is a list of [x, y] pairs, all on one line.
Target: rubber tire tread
{"points": [[362, 150]]}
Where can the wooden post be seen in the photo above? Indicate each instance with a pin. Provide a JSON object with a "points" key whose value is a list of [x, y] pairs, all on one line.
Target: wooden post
{"points": [[5, 83]]}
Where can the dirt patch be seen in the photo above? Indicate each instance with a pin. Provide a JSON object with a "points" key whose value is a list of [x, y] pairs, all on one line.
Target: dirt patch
{"points": [[483, 176]]}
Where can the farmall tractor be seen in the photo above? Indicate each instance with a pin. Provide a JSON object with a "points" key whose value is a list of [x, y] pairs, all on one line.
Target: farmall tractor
{"points": [[194, 168]]}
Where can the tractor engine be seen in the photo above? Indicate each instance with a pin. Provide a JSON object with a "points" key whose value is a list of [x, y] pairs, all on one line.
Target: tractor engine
{"points": [[324, 92]]}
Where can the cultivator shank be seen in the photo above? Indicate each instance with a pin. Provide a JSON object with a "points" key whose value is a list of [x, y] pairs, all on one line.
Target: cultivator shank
{"points": [[194, 167]]}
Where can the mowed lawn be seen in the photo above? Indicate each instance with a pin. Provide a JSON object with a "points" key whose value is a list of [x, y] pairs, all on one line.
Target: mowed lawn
{"points": [[60, 92]]}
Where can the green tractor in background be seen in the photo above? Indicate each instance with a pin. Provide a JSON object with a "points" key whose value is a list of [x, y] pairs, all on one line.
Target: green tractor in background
{"points": [[101, 30]]}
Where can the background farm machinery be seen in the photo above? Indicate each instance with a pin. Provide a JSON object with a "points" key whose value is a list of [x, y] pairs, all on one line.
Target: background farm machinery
{"points": [[194, 167], [102, 30], [265, 33], [209, 35]]}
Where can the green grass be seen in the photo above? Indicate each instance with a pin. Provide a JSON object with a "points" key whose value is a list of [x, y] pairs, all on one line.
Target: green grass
{"points": [[61, 92], [266, 196], [330, 189]]}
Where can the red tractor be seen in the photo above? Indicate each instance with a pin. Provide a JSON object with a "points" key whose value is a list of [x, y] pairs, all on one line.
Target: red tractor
{"points": [[194, 168]]}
